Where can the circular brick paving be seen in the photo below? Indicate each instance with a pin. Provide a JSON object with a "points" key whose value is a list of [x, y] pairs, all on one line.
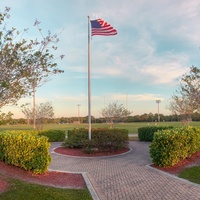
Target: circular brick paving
{"points": [[127, 176]]}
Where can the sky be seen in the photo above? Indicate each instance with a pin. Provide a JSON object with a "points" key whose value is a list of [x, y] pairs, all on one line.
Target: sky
{"points": [[157, 42]]}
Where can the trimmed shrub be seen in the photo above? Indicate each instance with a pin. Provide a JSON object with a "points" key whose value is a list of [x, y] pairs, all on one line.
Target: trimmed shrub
{"points": [[25, 150], [102, 139], [35, 132], [89, 146], [75, 138], [110, 139], [53, 135], [171, 146], [147, 133]]}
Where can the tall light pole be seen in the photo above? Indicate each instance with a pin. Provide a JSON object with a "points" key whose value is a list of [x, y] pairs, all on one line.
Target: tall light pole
{"points": [[126, 101], [79, 112], [158, 101]]}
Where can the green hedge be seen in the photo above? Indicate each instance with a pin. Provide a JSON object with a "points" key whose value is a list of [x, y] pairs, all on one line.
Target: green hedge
{"points": [[25, 150], [35, 132], [75, 138], [147, 133], [171, 146], [102, 139], [53, 135], [110, 139]]}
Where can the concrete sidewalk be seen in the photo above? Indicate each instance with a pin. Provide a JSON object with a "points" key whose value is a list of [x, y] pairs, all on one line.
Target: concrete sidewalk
{"points": [[127, 177]]}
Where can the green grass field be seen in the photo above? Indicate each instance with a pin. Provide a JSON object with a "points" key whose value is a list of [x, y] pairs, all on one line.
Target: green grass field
{"points": [[131, 127], [21, 190], [192, 174]]}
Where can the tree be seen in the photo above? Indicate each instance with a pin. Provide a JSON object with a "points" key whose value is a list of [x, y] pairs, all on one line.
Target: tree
{"points": [[6, 118], [41, 63], [12, 79], [181, 106], [187, 98], [43, 111], [150, 117], [190, 87], [114, 112], [144, 117], [25, 64]]}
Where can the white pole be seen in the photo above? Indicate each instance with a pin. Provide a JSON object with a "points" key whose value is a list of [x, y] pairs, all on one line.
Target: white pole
{"points": [[126, 101], [104, 111], [158, 101], [79, 113], [89, 94]]}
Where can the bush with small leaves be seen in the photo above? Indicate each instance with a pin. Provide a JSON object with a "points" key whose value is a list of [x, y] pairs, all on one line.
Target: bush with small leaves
{"points": [[75, 138], [173, 145], [103, 139], [147, 133], [53, 135], [25, 150]]}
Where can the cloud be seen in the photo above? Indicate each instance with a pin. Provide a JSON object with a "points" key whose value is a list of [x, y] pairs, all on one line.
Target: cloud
{"points": [[136, 97], [164, 69], [137, 65], [69, 98], [152, 44], [30, 100]]}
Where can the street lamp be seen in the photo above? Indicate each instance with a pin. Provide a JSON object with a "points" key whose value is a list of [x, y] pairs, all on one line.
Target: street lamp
{"points": [[158, 101], [79, 112]]}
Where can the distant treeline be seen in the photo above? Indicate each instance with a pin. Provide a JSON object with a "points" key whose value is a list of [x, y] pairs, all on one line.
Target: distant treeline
{"points": [[137, 118]]}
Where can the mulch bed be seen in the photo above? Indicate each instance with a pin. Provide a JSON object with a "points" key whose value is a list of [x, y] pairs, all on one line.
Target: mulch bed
{"points": [[3, 185], [194, 160], [55, 179], [79, 152]]}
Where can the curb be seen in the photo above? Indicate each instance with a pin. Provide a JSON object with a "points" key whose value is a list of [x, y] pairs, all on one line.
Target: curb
{"points": [[86, 179], [85, 157], [90, 187], [173, 176]]}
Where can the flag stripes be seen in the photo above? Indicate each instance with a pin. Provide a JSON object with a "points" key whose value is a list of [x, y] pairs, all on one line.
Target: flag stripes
{"points": [[100, 27]]}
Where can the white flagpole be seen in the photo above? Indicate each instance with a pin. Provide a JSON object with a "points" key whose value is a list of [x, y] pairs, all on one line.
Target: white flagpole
{"points": [[89, 93]]}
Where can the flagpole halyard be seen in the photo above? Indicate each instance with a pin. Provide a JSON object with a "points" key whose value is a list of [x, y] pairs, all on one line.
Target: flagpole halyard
{"points": [[89, 89]]}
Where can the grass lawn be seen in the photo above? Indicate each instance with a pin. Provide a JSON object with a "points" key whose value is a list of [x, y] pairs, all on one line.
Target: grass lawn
{"points": [[20, 190], [192, 174], [131, 127]]}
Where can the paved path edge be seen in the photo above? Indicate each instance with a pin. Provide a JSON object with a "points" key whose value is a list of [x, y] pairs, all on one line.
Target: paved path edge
{"points": [[90, 187]]}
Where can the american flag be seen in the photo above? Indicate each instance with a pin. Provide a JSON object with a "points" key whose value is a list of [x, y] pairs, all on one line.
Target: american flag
{"points": [[100, 27]]}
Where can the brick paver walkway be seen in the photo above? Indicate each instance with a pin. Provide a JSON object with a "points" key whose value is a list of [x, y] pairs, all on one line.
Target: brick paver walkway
{"points": [[127, 177]]}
